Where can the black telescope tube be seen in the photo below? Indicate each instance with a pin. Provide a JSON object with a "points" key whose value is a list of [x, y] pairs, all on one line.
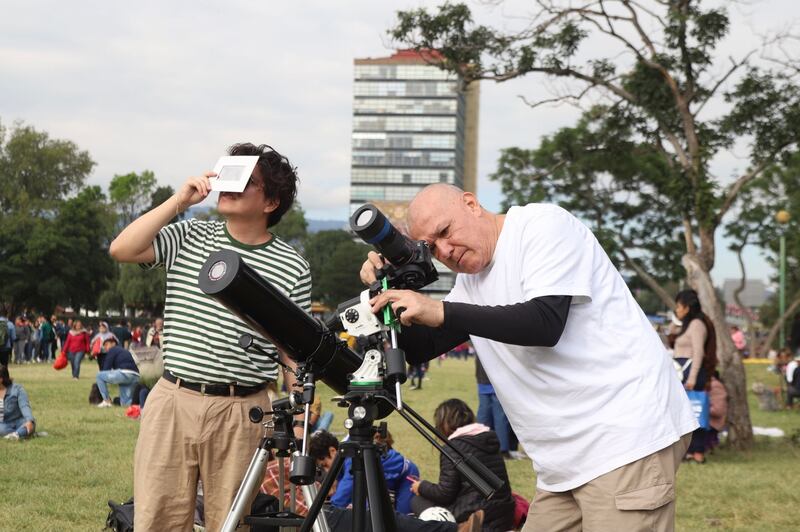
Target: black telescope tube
{"points": [[374, 228], [226, 278]]}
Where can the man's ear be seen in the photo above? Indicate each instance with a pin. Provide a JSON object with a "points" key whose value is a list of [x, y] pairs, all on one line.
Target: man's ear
{"points": [[471, 202], [271, 205], [332, 452]]}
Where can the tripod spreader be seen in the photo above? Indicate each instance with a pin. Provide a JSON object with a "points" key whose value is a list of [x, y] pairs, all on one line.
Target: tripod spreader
{"points": [[476, 473]]}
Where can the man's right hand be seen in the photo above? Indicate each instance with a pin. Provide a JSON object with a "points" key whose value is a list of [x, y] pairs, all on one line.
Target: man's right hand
{"points": [[373, 263], [194, 190]]}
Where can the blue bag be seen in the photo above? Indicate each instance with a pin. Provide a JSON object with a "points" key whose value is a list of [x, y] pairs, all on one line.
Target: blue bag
{"points": [[700, 407]]}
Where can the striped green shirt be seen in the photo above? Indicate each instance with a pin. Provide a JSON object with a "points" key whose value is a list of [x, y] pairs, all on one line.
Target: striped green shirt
{"points": [[201, 336]]}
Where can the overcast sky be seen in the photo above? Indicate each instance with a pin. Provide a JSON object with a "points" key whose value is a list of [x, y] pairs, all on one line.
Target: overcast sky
{"points": [[167, 86]]}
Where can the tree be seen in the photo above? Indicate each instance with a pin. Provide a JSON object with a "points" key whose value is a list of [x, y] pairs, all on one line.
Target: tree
{"points": [[37, 172], [142, 289], [293, 225], [654, 69], [159, 196], [755, 224], [61, 259], [335, 260], [131, 193]]}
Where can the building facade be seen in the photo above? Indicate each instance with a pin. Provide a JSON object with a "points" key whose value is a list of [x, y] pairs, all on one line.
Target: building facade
{"points": [[413, 125]]}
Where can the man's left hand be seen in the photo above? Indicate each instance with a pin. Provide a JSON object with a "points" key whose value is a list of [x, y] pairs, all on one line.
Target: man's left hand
{"points": [[418, 309]]}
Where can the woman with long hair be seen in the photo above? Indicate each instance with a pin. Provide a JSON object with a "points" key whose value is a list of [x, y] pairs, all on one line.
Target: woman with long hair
{"points": [[75, 347], [694, 345], [456, 421], [16, 418]]}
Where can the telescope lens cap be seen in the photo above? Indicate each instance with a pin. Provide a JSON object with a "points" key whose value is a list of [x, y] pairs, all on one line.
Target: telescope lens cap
{"points": [[365, 218], [217, 270]]}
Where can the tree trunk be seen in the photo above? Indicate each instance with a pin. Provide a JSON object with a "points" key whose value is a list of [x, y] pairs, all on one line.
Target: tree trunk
{"points": [[740, 429], [776, 327]]}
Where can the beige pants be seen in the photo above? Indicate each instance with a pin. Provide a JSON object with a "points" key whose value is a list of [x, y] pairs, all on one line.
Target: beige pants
{"points": [[635, 497], [185, 435]]}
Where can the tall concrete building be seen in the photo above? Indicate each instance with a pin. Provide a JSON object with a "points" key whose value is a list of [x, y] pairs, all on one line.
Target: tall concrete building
{"points": [[413, 125]]}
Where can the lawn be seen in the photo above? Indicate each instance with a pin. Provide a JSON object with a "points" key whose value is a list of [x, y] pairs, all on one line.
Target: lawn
{"points": [[62, 482]]}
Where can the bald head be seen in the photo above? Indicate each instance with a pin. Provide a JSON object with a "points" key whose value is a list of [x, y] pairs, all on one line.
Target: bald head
{"points": [[436, 196]]}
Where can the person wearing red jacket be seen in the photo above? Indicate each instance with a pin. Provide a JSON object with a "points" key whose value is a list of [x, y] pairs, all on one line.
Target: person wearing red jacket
{"points": [[75, 347]]}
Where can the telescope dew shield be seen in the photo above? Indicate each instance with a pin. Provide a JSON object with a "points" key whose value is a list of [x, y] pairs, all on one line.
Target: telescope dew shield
{"points": [[374, 228], [229, 280]]}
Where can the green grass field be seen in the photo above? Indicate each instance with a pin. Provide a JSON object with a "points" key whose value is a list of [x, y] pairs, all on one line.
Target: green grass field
{"points": [[62, 482]]}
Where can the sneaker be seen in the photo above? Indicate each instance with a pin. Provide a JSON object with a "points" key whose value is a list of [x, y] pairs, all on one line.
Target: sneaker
{"points": [[104, 404], [11, 436]]}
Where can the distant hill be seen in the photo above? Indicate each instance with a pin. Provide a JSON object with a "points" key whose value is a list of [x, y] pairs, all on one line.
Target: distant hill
{"points": [[314, 226]]}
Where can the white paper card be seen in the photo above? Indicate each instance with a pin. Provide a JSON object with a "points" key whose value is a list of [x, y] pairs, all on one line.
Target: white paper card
{"points": [[233, 173]]}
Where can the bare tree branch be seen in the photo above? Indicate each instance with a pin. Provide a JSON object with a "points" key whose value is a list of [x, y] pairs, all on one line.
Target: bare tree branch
{"points": [[735, 66], [649, 280]]}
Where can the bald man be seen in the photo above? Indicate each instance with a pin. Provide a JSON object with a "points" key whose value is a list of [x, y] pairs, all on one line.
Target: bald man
{"points": [[583, 377]]}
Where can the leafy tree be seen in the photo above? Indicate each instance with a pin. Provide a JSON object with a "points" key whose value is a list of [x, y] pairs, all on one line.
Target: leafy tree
{"points": [[653, 87], [131, 193], [292, 227], [159, 196], [143, 289], [755, 224], [36, 172], [61, 259], [335, 260]]}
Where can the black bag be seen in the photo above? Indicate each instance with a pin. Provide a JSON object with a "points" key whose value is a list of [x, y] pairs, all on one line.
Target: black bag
{"points": [[120, 518], [95, 398]]}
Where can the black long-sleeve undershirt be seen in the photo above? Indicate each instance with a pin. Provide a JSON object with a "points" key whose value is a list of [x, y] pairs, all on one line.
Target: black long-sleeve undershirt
{"points": [[537, 322]]}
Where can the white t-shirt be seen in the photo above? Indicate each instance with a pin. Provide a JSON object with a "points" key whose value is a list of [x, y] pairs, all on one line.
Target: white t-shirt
{"points": [[606, 395]]}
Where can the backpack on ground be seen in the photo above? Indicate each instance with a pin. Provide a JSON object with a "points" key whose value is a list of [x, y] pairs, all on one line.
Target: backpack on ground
{"points": [[120, 518], [95, 397]]}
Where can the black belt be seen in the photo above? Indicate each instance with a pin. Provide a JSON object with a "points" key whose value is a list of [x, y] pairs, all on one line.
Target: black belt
{"points": [[215, 389]]}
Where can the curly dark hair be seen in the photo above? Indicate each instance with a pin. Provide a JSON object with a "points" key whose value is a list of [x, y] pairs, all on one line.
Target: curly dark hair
{"points": [[320, 444], [278, 176]]}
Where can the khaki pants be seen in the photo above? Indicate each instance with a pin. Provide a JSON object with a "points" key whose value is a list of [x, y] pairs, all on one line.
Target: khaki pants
{"points": [[635, 497], [185, 435]]}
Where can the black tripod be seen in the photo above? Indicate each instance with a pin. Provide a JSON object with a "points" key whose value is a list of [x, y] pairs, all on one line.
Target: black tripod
{"points": [[365, 404]]}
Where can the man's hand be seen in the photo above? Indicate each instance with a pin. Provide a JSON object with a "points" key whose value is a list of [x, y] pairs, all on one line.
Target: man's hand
{"points": [[689, 385], [373, 263], [194, 190], [415, 487], [417, 308]]}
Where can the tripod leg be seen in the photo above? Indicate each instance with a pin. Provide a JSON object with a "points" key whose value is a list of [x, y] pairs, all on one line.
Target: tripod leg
{"points": [[254, 475], [359, 493], [380, 506], [324, 489]]}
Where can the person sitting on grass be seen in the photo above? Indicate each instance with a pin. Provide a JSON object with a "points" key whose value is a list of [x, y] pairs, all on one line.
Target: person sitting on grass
{"points": [[16, 417], [397, 470], [118, 368], [456, 421]]}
